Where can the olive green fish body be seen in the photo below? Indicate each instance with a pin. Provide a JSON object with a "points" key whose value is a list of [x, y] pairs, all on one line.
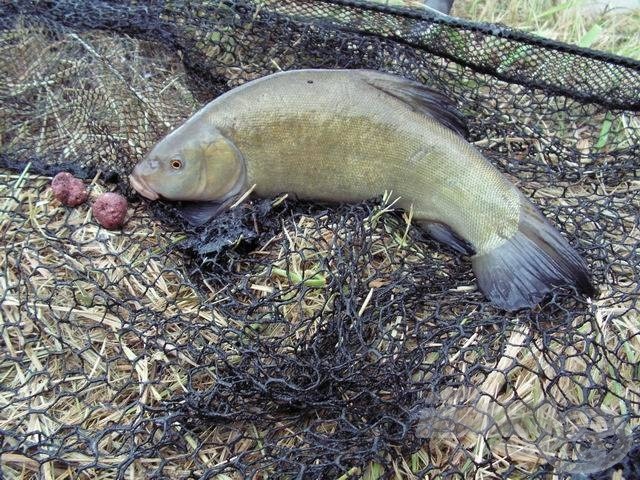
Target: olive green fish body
{"points": [[351, 135], [322, 144]]}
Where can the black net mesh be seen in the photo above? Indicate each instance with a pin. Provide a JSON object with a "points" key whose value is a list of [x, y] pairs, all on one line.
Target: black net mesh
{"points": [[289, 340]]}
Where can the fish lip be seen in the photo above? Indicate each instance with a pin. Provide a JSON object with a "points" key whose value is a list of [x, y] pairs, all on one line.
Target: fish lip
{"points": [[141, 186]]}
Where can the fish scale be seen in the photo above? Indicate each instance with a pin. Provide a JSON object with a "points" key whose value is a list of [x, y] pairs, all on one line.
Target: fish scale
{"points": [[377, 141]]}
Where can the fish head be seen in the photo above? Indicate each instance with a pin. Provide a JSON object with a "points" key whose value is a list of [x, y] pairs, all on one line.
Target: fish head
{"points": [[196, 162]]}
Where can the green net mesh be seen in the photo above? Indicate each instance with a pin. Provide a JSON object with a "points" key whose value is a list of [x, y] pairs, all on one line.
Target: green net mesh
{"points": [[293, 340]]}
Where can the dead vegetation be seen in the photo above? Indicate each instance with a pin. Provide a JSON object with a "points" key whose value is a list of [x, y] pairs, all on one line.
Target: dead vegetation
{"points": [[83, 349]]}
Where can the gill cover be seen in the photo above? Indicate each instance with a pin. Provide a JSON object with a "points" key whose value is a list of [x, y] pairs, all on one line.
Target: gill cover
{"points": [[223, 168]]}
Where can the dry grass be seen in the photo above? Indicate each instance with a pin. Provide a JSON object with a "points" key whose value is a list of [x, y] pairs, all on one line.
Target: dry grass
{"points": [[573, 21], [71, 266], [576, 22], [68, 260], [132, 266]]}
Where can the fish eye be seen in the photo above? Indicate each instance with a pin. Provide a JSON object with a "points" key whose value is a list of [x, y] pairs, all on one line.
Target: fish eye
{"points": [[176, 164]]}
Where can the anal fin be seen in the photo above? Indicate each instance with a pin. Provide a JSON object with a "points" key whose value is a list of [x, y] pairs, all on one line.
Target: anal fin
{"points": [[443, 233]]}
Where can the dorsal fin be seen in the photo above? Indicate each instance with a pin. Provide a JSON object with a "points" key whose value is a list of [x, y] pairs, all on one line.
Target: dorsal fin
{"points": [[419, 98]]}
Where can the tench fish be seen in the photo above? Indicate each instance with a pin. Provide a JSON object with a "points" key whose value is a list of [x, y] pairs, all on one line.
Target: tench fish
{"points": [[351, 135]]}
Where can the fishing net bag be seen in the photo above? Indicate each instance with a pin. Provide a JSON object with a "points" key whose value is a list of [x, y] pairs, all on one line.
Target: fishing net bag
{"points": [[300, 340]]}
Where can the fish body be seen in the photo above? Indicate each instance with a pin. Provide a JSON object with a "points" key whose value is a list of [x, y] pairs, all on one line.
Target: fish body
{"points": [[351, 135]]}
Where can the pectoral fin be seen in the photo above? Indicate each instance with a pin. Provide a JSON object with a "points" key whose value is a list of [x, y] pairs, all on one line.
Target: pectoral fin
{"points": [[199, 213], [419, 98]]}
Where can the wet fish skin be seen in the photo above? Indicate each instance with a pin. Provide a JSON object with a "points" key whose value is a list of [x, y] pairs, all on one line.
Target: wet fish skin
{"points": [[350, 135]]}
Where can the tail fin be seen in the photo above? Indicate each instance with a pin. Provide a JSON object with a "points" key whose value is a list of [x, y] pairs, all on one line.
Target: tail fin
{"points": [[520, 272]]}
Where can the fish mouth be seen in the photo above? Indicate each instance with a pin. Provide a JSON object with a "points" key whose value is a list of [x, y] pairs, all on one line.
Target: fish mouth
{"points": [[142, 187]]}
